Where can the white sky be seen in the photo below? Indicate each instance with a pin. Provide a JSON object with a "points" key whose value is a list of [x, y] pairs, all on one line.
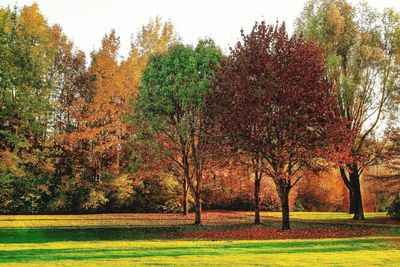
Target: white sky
{"points": [[86, 21]]}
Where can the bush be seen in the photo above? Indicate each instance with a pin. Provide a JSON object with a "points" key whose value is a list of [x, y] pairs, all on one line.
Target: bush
{"points": [[298, 206], [394, 209], [158, 194], [95, 201], [27, 194]]}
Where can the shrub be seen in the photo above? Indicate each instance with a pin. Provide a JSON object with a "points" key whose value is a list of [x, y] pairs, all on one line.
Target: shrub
{"points": [[95, 201], [394, 209], [298, 206], [158, 194]]}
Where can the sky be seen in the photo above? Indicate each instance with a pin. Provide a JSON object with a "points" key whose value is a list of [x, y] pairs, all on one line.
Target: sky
{"points": [[87, 21]]}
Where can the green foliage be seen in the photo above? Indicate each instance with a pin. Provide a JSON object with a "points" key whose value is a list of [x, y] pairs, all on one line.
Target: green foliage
{"points": [[28, 194], [48, 92], [157, 194], [362, 52], [120, 192], [174, 85], [170, 108], [25, 88], [298, 206], [394, 209]]}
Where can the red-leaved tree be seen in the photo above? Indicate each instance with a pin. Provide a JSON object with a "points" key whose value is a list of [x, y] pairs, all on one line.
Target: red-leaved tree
{"points": [[273, 102]]}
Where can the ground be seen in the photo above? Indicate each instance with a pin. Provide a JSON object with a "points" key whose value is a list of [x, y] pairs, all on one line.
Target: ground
{"points": [[225, 238]]}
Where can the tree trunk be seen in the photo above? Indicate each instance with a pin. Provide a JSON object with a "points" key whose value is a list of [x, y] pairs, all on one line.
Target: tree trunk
{"points": [[349, 186], [198, 195], [356, 188], [185, 198], [197, 219], [284, 196], [257, 181], [351, 201]]}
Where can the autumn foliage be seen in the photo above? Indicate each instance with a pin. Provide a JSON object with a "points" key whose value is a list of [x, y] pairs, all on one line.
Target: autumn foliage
{"points": [[280, 122], [273, 102]]}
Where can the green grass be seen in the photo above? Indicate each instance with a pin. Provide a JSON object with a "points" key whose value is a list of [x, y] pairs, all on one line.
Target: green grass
{"points": [[355, 252], [103, 240], [323, 216]]}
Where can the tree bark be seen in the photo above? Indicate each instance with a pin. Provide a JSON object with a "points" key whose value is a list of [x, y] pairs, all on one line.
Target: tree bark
{"points": [[351, 201], [185, 210], [356, 188], [257, 182], [197, 219], [284, 188], [349, 186], [198, 195]]}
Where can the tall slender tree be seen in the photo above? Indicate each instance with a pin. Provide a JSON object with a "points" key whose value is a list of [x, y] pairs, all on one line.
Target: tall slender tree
{"points": [[362, 50], [100, 128], [156, 37], [25, 97]]}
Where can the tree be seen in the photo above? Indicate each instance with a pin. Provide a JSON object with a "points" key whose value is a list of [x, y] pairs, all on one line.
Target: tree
{"points": [[145, 156], [99, 101], [31, 105], [63, 125], [153, 38], [362, 51], [70, 84], [70, 78], [273, 101], [392, 151], [100, 128], [170, 102], [25, 96]]}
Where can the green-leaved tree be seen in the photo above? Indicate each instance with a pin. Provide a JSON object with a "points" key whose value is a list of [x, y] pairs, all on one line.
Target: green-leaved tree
{"points": [[170, 103]]}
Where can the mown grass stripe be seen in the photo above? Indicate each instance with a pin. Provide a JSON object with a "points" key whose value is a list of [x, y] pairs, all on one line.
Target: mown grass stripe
{"points": [[167, 249]]}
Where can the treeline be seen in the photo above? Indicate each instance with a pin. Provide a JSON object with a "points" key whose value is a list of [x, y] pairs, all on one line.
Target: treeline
{"points": [[173, 127]]}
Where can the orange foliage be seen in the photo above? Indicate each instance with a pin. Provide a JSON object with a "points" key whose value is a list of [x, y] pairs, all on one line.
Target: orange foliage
{"points": [[100, 122], [323, 192], [380, 185]]}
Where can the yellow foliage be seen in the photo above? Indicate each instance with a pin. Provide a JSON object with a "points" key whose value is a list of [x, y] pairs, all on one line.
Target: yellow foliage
{"points": [[95, 200], [34, 24], [335, 20], [123, 189], [4, 17]]}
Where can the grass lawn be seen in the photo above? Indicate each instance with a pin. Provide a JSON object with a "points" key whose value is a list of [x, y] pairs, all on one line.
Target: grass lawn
{"points": [[327, 216], [226, 238]]}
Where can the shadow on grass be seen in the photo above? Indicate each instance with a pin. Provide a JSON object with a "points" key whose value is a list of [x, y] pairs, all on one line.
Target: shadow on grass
{"points": [[42, 235]]}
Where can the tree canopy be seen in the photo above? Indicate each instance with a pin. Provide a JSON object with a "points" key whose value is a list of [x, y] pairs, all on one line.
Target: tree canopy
{"points": [[272, 99], [171, 102]]}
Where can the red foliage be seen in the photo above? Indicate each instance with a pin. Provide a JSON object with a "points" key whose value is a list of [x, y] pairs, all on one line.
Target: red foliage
{"points": [[273, 102], [232, 187]]}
